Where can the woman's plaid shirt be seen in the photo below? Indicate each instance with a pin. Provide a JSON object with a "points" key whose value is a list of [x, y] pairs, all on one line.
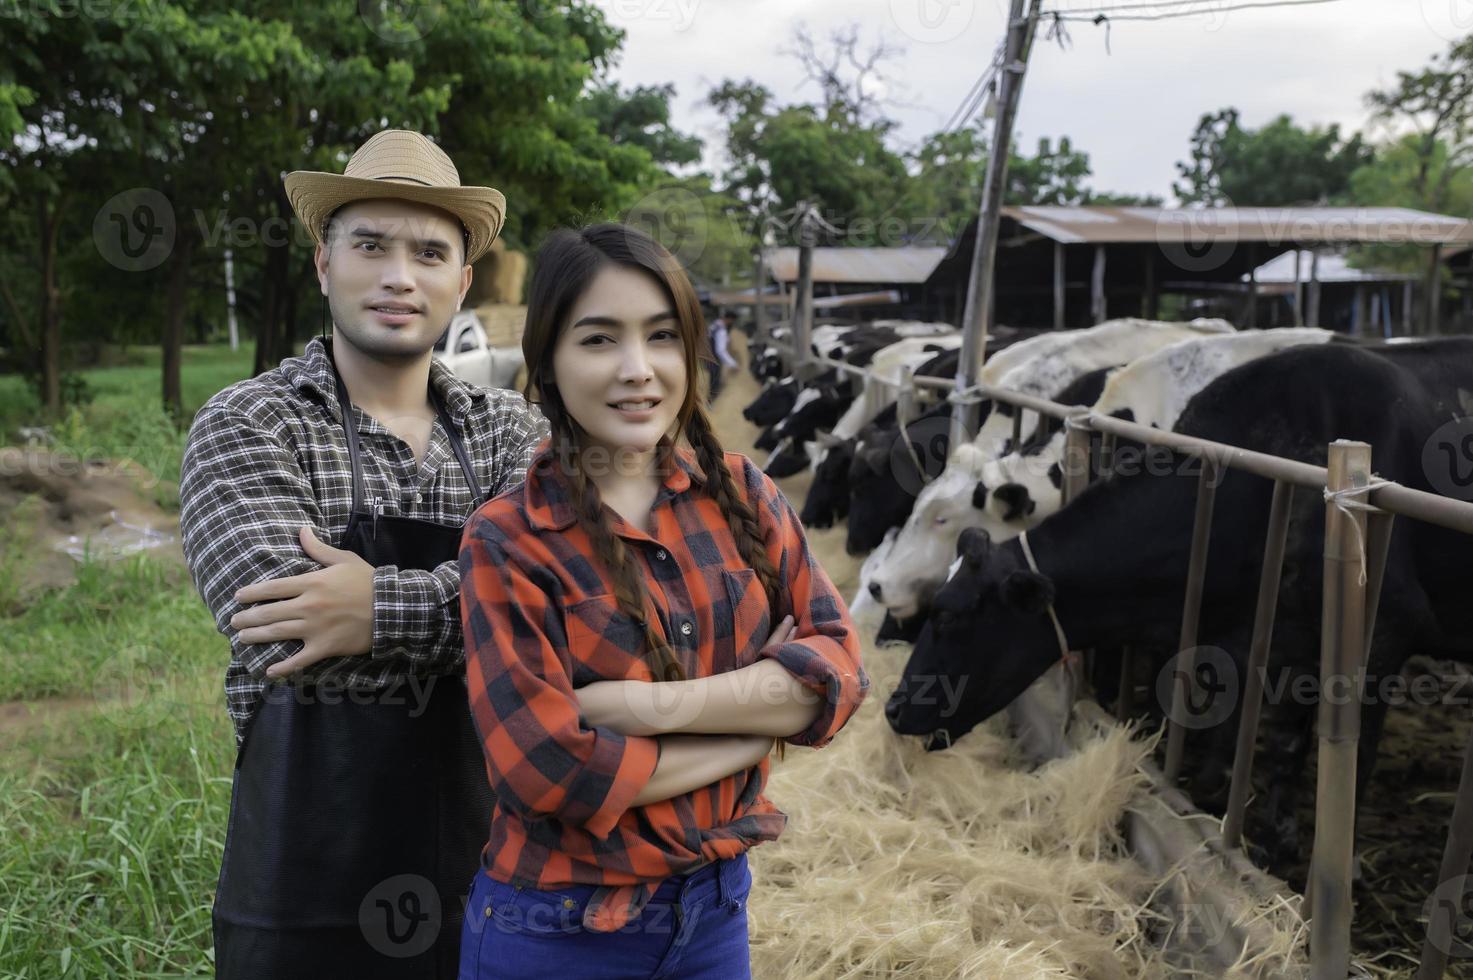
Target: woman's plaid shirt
{"points": [[268, 455], [540, 621]]}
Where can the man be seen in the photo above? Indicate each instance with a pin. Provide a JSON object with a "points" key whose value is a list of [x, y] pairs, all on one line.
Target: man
{"points": [[321, 505], [720, 336]]}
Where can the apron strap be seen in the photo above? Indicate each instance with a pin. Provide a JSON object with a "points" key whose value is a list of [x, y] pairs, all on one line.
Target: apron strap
{"points": [[459, 448], [350, 430]]}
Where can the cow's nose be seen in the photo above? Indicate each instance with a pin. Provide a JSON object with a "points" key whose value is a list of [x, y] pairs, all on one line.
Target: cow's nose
{"points": [[876, 591]]}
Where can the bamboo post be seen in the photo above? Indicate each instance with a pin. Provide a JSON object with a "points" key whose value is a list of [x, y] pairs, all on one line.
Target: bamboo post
{"points": [[1058, 285], [803, 312], [1448, 909], [1434, 292], [1342, 639], [1097, 302], [1191, 616], [1263, 632], [1107, 453], [980, 283], [1150, 300], [1298, 291], [1076, 456], [1251, 313], [1378, 543], [759, 308], [1312, 315]]}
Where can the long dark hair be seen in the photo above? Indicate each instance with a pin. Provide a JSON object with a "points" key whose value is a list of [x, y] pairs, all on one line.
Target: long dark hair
{"points": [[565, 266]]}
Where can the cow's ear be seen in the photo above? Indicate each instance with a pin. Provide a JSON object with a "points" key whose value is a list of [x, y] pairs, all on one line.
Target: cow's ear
{"points": [[1027, 592], [979, 496], [974, 545], [1056, 476], [1019, 503]]}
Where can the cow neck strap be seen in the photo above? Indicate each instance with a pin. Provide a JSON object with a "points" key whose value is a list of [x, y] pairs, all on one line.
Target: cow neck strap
{"points": [[1064, 651]]}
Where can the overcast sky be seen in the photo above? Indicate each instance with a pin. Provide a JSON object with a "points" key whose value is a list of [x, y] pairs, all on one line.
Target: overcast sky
{"points": [[1132, 109]]}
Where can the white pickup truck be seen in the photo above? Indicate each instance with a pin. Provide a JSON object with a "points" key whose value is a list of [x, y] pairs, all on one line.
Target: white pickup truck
{"points": [[464, 349]]}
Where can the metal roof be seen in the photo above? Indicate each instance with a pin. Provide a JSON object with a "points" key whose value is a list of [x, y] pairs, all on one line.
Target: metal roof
{"points": [[1125, 225], [1330, 269], [860, 265]]}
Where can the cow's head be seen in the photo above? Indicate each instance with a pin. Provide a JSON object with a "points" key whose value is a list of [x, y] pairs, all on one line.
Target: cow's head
{"points": [[828, 495], [988, 637], [884, 480], [917, 564], [773, 404]]}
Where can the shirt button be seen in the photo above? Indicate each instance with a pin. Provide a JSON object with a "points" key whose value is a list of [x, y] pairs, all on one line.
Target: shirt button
{"points": [[685, 629], [418, 497], [660, 555]]}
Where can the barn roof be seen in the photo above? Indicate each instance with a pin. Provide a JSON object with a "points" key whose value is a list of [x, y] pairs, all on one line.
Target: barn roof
{"points": [[1287, 226], [1329, 269], [859, 265]]}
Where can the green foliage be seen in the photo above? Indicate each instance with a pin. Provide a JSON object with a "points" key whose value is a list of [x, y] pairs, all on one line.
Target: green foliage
{"points": [[1279, 165], [1437, 103], [641, 117]]}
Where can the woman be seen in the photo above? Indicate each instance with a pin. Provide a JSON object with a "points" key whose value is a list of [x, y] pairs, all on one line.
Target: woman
{"points": [[642, 619]]}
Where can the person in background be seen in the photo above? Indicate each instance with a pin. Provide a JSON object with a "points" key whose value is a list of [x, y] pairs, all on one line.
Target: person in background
{"points": [[643, 618], [720, 335]]}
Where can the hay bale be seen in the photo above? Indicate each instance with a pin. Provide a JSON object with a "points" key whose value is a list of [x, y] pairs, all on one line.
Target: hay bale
{"points": [[503, 323]]}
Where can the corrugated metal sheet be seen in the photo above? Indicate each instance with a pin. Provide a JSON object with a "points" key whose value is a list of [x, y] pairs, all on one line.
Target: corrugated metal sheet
{"points": [[743, 297], [858, 265], [1125, 225], [1331, 268]]}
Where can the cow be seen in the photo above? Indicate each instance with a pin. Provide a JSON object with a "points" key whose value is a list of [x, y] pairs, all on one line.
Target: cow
{"points": [[1024, 487], [949, 504], [1044, 365], [834, 408], [1111, 565]]}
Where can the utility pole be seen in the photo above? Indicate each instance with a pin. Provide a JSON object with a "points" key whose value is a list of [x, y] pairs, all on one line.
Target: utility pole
{"points": [[980, 286], [803, 311]]}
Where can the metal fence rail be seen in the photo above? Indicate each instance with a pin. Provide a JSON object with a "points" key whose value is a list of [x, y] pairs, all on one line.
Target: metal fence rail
{"points": [[1349, 613]]}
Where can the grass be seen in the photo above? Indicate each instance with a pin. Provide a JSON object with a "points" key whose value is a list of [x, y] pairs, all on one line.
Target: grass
{"points": [[124, 418], [115, 766]]}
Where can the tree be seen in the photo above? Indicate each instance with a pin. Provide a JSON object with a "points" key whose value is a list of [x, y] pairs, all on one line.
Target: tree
{"points": [[208, 107], [1437, 102], [641, 117], [1278, 165]]}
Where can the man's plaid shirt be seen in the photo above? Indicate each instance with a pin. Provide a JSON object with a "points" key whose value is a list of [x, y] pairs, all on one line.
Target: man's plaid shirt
{"points": [[540, 622], [269, 455]]}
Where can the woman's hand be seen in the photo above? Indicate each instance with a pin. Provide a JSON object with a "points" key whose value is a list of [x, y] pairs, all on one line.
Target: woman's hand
{"points": [[643, 708]]}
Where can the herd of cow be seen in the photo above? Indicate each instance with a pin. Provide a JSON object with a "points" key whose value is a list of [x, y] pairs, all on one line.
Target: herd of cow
{"points": [[942, 523]]}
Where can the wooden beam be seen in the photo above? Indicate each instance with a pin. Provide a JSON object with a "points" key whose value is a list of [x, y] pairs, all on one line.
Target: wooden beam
{"points": [[1434, 292], [1097, 303], [1058, 285]]}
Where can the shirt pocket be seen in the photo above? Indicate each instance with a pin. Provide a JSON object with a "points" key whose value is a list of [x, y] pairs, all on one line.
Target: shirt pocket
{"points": [[751, 620], [604, 644]]}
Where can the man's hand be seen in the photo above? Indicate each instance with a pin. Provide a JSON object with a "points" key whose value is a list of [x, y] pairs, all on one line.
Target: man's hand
{"points": [[329, 610]]}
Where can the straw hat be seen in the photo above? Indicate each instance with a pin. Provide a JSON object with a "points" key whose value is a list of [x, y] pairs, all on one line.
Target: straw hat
{"points": [[403, 165]]}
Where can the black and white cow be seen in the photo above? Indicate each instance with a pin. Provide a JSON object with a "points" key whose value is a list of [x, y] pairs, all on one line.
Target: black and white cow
{"points": [[1112, 564]]}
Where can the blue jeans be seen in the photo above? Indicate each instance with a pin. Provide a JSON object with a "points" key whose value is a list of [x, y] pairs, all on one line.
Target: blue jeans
{"points": [[694, 928]]}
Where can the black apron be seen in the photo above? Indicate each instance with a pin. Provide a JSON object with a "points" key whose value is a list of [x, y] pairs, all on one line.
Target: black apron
{"points": [[357, 818]]}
